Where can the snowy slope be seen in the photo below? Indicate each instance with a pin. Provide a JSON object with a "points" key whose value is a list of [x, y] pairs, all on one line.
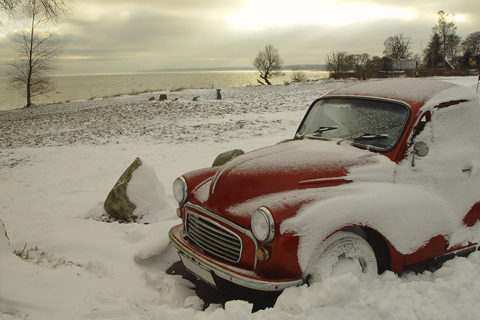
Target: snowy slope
{"points": [[57, 164]]}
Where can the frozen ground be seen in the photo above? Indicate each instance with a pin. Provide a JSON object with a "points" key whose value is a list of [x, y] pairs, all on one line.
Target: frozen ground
{"points": [[58, 162]]}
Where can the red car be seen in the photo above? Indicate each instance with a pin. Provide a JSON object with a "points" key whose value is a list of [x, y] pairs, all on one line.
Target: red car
{"points": [[382, 175]]}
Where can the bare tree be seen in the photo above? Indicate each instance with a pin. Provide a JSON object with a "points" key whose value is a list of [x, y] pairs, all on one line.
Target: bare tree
{"points": [[379, 67], [36, 47], [339, 63], [51, 7], [268, 63], [472, 44], [397, 47], [447, 31], [8, 5], [359, 64]]}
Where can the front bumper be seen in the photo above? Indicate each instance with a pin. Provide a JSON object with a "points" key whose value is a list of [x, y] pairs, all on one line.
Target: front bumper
{"points": [[204, 267]]}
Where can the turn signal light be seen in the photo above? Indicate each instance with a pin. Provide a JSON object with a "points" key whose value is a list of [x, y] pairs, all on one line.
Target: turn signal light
{"points": [[263, 255], [179, 212]]}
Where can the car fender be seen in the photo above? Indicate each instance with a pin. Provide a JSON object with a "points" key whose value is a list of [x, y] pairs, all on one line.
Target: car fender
{"points": [[407, 216]]}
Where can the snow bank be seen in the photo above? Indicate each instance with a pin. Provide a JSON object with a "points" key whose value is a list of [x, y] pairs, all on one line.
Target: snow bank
{"points": [[438, 295]]}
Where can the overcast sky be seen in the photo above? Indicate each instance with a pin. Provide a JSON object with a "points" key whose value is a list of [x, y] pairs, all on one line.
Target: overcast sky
{"points": [[128, 36]]}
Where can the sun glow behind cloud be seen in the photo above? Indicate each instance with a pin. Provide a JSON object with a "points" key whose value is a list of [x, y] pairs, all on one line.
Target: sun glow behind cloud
{"points": [[258, 14]]}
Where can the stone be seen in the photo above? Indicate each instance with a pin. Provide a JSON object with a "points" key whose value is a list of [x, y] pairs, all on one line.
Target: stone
{"points": [[162, 97], [224, 157], [118, 205]]}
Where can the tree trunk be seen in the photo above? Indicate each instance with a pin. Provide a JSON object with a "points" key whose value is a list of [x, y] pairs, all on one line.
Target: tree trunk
{"points": [[267, 81], [30, 58]]}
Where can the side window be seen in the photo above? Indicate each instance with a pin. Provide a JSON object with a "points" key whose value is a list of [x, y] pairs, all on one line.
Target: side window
{"points": [[426, 118]]}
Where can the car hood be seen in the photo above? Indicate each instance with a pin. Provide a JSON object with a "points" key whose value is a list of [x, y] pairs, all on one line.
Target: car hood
{"points": [[293, 165]]}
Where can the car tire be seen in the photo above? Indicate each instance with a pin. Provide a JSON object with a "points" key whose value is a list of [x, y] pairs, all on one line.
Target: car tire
{"points": [[341, 253]]}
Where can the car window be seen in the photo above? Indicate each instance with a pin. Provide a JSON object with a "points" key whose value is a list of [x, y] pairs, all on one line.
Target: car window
{"points": [[364, 122], [426, 117]]}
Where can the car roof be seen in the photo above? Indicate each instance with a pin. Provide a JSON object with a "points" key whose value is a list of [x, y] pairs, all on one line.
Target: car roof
{"points": [[415, 92]]}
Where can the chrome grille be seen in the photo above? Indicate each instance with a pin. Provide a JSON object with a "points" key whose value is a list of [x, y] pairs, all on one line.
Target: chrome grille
{"points": [[213, 238]]}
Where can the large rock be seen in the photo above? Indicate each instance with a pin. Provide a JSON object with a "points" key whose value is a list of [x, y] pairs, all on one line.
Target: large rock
{"points": [[118, 205], [138, 196], [224, 157]]}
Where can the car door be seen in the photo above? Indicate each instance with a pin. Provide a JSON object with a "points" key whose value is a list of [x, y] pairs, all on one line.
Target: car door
{"points": [[449, 169]]}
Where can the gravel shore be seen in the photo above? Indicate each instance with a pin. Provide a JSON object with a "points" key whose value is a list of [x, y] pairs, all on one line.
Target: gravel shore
{"points": [[177, 119]]}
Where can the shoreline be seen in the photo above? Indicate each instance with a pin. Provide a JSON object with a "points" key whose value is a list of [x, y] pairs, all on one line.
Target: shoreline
{"points": [[68, 88]]}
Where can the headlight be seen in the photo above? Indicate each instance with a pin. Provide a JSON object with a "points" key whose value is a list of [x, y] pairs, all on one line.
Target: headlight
{"points": [[263, 226], [180, 190]]}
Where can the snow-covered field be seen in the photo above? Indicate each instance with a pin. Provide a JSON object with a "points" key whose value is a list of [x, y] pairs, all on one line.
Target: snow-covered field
{"points": [[58, 163]]}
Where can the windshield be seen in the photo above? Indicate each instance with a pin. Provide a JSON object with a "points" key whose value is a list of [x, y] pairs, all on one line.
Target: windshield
{"points": [[366, 122]]}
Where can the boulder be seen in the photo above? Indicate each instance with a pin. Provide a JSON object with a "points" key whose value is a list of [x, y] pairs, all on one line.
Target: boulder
{"points": [[224, 157], [148, 194], [118, 205]]}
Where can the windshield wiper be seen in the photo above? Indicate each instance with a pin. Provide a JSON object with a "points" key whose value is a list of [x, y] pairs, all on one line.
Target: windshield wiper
{"points": [[325, 128], [368, 136], [365, 136], [317, 132]]}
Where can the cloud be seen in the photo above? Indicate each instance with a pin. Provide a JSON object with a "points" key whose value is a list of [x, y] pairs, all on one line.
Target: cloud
{"points": [[126, 36]]}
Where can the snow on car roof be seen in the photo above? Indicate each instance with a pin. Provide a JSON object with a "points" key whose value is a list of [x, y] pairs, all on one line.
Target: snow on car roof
{"points": [[405, 89]]}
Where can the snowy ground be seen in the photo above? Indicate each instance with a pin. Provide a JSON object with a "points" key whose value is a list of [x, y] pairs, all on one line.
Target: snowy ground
{"points": [[58, 162]]}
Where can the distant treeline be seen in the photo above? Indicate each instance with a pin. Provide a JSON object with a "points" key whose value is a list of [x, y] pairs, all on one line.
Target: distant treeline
{"points": [[319, 67]]}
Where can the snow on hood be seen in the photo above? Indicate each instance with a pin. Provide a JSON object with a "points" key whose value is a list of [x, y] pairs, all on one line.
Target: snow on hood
{"points": [[282, 168], [379, 169]]}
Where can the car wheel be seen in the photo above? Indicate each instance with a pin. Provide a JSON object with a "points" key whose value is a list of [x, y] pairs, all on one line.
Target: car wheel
{"points": [[342, 253]]}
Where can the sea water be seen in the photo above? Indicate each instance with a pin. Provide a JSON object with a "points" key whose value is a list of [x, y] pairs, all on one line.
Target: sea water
{"points": [[84, 87]]}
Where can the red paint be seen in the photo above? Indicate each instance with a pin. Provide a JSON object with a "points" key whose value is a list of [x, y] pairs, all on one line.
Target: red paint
{"points": [[437, 246], [473, 216]]}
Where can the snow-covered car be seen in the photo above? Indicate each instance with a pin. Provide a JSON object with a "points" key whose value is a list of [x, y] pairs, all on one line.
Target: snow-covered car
{"points": [[382, 175]]}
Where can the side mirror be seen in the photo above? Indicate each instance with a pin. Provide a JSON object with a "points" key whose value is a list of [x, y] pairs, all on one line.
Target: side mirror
{"points": [[420, 149]]}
